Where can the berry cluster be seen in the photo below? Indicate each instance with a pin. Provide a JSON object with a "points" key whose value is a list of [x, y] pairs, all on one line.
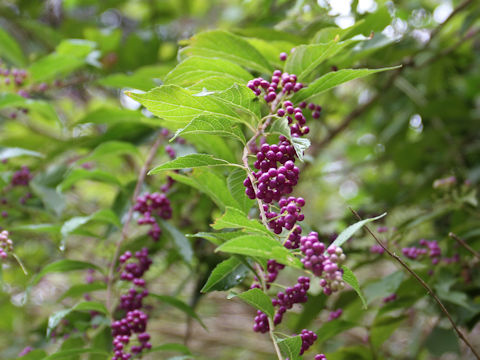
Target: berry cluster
{"points": [[21, 177], [308, 338], [135, 320], [429, 247], [151, 205], [288, 215], [335, 314], [281, 84], [324, 264], [292, 295], [6, 245], [320, 357]]}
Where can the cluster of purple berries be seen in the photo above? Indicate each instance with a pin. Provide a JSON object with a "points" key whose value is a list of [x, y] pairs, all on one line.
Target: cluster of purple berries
{"points": [[135, 320], [308, 338], [429, 247], [273, 268], [287, 217], [151, 205], [335, 314], [13, 76], [21, 177], [292, 295], [6, 244], [280, 84], [324, 263]]}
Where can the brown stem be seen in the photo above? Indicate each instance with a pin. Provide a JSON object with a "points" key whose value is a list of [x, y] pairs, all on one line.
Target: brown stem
{"points": [[425, 286], [136, 192], [464, 244]]}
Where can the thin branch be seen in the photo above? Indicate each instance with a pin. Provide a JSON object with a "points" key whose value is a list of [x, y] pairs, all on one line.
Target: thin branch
{"points": [[425, 286], [464, 244], [136, 192]]}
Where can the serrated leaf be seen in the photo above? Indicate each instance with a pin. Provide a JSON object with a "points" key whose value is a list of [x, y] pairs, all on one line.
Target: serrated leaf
{"points": [[237, 189], [260, 246], [234, 218], [219, 237], [212, 125], [227, 274], [11, 152], [258, 299], [196, 69], [178, 106], [64, 266], [224, 45], [83, 174], [333, 79], [242, 100], [352, 229], [306, 58], [182, 244], [291, 347], [189, 162], [350, 278], [10, 50], [179, 304]]}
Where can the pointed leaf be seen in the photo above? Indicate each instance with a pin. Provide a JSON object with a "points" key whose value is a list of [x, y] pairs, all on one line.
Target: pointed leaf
{"points": [[258, 299], [333, 79], [189, 162], [237, 189], [64, 266], [234, 218], [352, 229], [180, 241], [350, 278], [227, 274], [291, 347]]}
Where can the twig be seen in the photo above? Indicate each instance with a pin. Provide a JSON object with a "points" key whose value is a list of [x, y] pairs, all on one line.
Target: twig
{"points": [[464, 244], [425, 286], [138, 186]]}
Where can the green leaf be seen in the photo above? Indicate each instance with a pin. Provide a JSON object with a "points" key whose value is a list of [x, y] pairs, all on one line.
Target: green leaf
{"points": [[333, 79], [55, 318], [224, 45], [81, 289], [37, 354], [212, 125], [280, 126], [234, 218], [258, 299], [8, 153], [103, 215], [333, 328], [306, 58], [243, 101], [179, 304], [106, 115], [180, 241], [111, 148], [227, 274], [68, 57], [217, 238], [373, 22], [441, 341], [260, 246], [383, 328], [38, 228], [196, 68], [190, 161], [237, 189], [291, 347], [352, 229], [350, 278], [52, 200], [10, 50], [83, 174], [69, 354], [383, 287], [63, 266], [178, 106]]}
